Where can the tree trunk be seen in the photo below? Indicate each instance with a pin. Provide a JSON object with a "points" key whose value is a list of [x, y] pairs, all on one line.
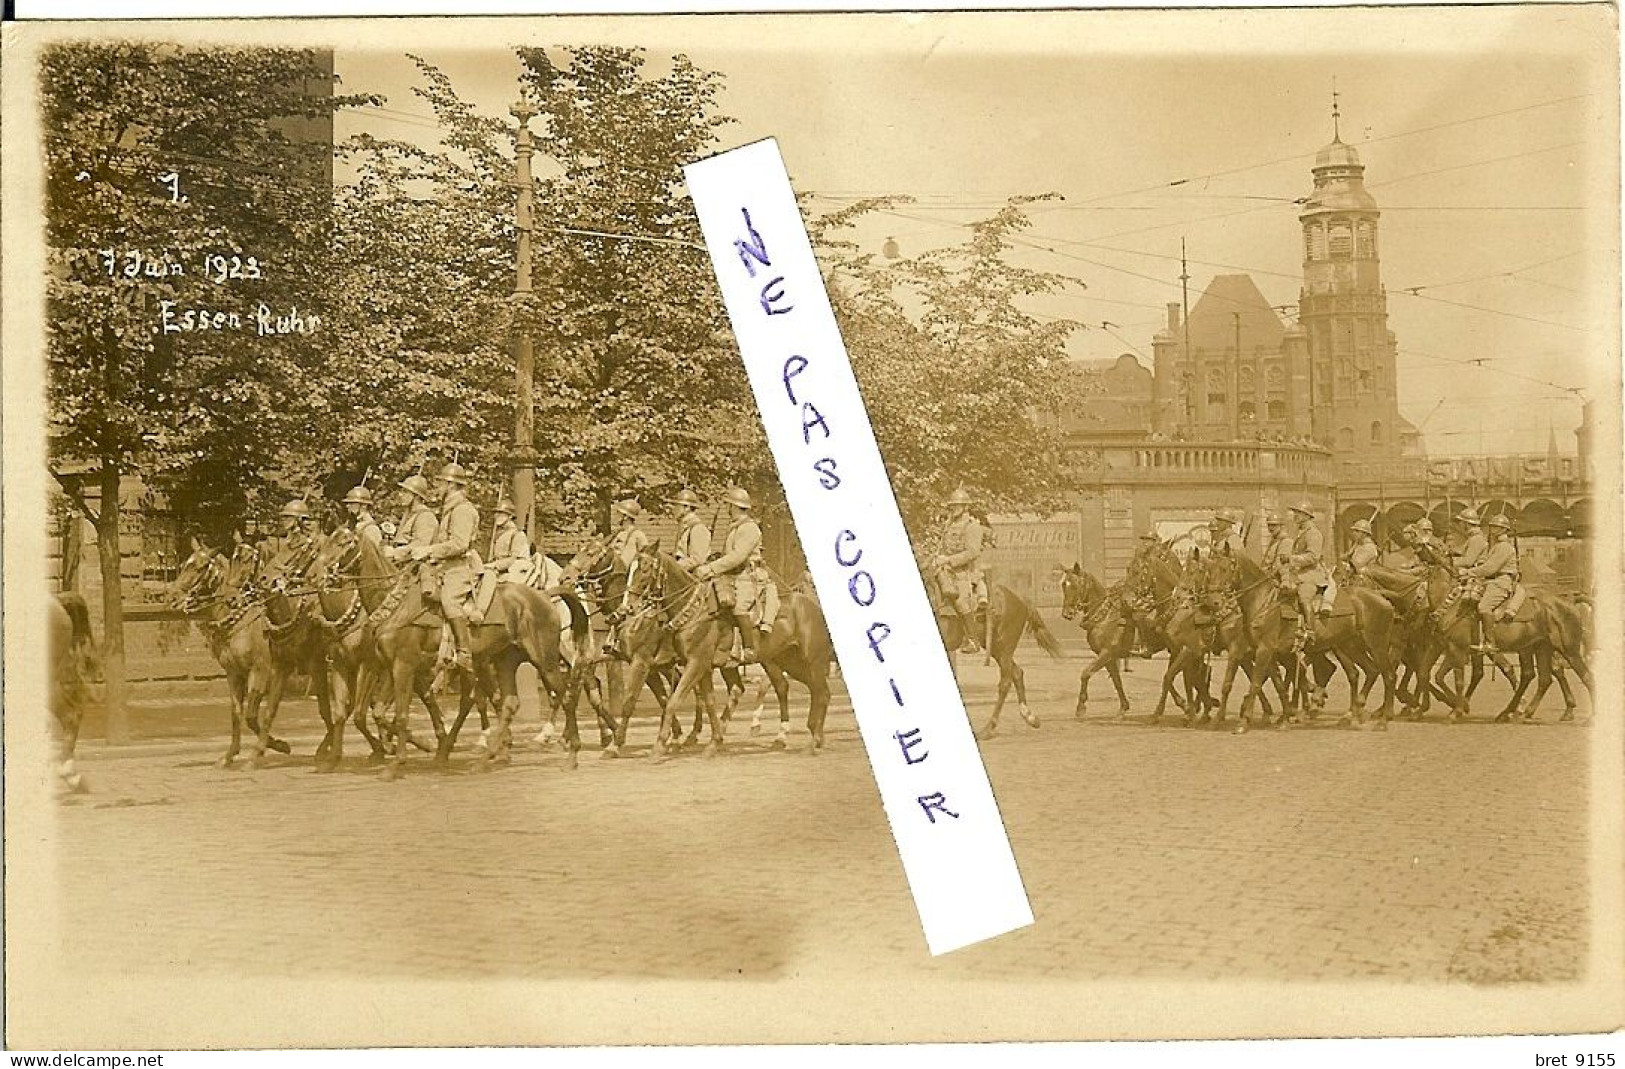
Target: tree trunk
{"points": [[117, 723], [73, 549]]}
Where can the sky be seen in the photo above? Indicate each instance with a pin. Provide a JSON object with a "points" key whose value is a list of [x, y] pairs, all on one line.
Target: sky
{"points": [[1488, 135]]}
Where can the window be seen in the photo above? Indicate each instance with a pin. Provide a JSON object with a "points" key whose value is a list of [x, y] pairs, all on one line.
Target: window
{"points": [[1345, 438], [1275, 379], [1376, 432], [1277, 410], [1216, 393], [1247, 411], [1366, 240], [1314, 242], [1245, 380], [1341, 241]]}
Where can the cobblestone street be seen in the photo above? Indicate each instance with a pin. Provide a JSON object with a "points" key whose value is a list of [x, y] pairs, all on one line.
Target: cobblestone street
{"points": [[1431, 852]]}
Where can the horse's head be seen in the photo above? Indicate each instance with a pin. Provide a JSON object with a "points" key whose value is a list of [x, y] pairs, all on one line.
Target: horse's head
{"points": [[199, 577], [646, 578], [242, 571], [1080, 592], [337, 556]]}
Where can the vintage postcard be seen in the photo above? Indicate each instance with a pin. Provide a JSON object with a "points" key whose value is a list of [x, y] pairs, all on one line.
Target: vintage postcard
{"points": [[472, 603]]}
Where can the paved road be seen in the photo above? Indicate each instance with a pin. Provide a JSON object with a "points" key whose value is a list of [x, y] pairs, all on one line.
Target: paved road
{"points": [[1428, 852]]}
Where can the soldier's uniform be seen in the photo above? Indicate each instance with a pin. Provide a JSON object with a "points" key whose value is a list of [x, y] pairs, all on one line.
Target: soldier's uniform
{"points": [[1364, 553], [1499, 570], [737, 587], [629, 539], [1473, 551], [509, 561], [959, 558], [296, 546], [452, 556], [418, 526], [1277, 548], [1225, 537], [1308, 561], [362, 524], [693, 546]]}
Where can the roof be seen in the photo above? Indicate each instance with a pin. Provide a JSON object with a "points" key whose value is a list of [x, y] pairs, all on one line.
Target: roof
{"points": [[1337, 154], [1213, 325]]}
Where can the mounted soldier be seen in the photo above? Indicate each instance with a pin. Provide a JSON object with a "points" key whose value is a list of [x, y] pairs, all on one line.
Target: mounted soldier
{"points": [[1225, 537], [736, 583], [297, 544], [1498, 569], [418, 521], [1428, 550], [509, 560], [1307, 565], [958, 566], [1477, 544], [1364, 553], [451, 558], [358, 503], [629, 539], [1277, 545], [693, 546]]}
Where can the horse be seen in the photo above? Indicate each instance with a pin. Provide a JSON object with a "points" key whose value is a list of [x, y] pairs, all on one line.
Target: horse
{"points": [[663, 599], [1009, 618], [217, 592], [1105, 619], [72, 649], [523, 626], [296, 638], [1189, 630], [1359, 633], [798, 647], [347, 602]]}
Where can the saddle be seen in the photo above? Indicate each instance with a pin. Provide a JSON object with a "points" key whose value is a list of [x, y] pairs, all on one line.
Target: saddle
{"points": [[1512, 608]]}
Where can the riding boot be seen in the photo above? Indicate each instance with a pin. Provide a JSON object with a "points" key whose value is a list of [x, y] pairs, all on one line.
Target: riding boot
{"points": [[463, 635], [967, 624], [747, 640], [1486, 630]]}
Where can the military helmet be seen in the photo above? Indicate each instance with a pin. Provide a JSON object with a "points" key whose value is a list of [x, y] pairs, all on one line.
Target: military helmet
{"points": [[1222, 518], [1149, 535], [1304, 508], [1361, 526], [686, 497], [296, 509], [1501, 520], [453, 473], [960, 496], [1272, 519], [416, 485], [1424, 524], [629, 507], [504, 508], [1470, 517], [737, 497], [358, 495]]}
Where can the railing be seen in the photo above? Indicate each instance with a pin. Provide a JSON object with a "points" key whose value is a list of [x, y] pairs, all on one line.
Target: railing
{"points": [[1214, 462]]}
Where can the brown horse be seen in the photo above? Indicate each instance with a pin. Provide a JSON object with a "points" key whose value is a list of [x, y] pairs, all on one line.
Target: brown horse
{"points": [[347, 602], [664, 600], [1106, 622], [296, 638], [72, 658], [216, 591], [521, 626], [1359, 633], [1009, 618]]}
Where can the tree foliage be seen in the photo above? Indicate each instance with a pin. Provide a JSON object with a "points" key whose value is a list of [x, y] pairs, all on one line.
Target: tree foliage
{"points": [[960, 382], [637, 383], [205, 415]]}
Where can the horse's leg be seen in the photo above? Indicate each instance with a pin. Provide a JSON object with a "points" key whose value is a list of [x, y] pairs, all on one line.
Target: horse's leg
{"points": [[273, 699], [817, 705], [685, 683], [1562, 678], [238, 682], [324, 696], [1526, 673], [403, 669], [775, 676], [1176, 663], [991, 728]]}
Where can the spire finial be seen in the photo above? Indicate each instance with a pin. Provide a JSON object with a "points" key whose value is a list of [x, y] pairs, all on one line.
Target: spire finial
{"points": [[1336, 114]]}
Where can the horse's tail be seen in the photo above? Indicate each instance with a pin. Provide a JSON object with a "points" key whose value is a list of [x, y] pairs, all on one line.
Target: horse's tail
{"points": [[1041, 632], [580, 625]]}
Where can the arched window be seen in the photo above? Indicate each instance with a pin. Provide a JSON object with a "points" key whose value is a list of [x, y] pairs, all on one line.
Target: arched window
{"points": [[1216, 394], [1345, 438], [1277, 409], [1245, 381], [1314, 242], [1247, 410], [1275, 379], [1376, 432]]}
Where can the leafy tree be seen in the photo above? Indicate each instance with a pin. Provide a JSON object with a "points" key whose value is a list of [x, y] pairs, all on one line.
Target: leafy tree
{"points": [[961, 384], [178, 185], [638, 384]]}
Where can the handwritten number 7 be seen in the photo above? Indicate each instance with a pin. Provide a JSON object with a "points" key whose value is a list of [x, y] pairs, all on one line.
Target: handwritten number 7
{"points": [[173, 181]]}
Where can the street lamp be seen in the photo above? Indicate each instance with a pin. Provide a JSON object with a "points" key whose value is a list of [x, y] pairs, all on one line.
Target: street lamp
{"points": [[523, 458]]}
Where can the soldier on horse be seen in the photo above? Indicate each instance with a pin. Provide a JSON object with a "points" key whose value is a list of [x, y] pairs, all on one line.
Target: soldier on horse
{"points": [[509, 562], [1498, 568], [958, 566], [739, 575], [1363, 553], [358, 503], [693, 546], [449, 562], [1226, 539], [1305, 569]]}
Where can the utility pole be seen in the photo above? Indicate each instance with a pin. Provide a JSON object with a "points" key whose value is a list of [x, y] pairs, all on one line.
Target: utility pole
{"points": [[523, 458], [1191, 384]]}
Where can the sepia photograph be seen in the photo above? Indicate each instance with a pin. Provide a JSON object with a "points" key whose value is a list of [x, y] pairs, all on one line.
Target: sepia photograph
{"points": [[432, 655]]}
